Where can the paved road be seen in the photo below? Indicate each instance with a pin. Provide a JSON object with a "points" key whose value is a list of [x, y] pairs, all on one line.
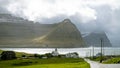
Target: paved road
{"points": [[99, 65]]}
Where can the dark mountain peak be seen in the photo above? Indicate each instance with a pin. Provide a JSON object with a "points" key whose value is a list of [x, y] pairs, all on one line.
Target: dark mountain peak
{"points": [[67, 21]]}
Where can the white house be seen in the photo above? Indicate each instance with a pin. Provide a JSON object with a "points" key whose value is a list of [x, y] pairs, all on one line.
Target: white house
{"points": [[55, 53], [72, 55]]}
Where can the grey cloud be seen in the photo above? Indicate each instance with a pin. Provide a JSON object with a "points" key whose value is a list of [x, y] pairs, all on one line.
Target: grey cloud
{"points": [[3, 10], [108, 20], [52, 20], [3, 5]]}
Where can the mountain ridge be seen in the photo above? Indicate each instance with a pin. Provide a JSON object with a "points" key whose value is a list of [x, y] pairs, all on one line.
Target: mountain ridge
{"points": [[66, 34], [17, 33]]}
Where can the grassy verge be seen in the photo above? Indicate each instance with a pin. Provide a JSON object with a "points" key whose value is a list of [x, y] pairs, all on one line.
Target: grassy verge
{"points": [[107, 59], [98, 58], [45, 63], [115, 60]]}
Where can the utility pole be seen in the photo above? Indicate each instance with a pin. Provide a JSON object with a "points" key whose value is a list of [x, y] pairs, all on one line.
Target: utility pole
{"points": [[90, 53], [101, 50], [93, 50]]}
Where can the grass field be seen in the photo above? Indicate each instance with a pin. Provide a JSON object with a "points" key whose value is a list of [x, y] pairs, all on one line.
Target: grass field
{"points": [[62, 65], [45, 63]]}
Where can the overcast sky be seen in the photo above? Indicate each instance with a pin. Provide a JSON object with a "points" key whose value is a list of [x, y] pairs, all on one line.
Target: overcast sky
{"points": [[88, 15]]}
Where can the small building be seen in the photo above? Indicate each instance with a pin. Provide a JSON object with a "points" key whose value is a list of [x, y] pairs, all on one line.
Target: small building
{"points": [[72, 55], [44, 57], [8, 55], [55, 53], [99, 54]]}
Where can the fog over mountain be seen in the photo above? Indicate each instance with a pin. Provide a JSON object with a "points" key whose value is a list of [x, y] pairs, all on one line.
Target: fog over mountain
{"points": [[94, 39], [88, 15]]}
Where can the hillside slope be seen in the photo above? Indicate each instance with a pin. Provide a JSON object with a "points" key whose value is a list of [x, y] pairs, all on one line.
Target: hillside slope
{"points": [[64, 35]]}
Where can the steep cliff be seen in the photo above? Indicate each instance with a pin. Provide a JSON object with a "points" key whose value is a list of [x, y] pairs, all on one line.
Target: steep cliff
{"points": [[64, 35]]}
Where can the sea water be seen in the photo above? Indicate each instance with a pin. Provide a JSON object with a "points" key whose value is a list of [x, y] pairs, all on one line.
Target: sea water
{"points": [[83, 52]]}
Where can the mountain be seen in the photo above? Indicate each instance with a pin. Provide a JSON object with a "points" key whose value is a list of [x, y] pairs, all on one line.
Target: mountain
{"points": [[18, 32], [93, 39], [65, 34], [15, 31]]}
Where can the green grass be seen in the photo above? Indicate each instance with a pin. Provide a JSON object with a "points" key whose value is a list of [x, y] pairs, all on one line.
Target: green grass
{"points": [[62, 65], [19, 54], [107, 59], [115, 60], [45, 63], [104, 58], [1, 51]]}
